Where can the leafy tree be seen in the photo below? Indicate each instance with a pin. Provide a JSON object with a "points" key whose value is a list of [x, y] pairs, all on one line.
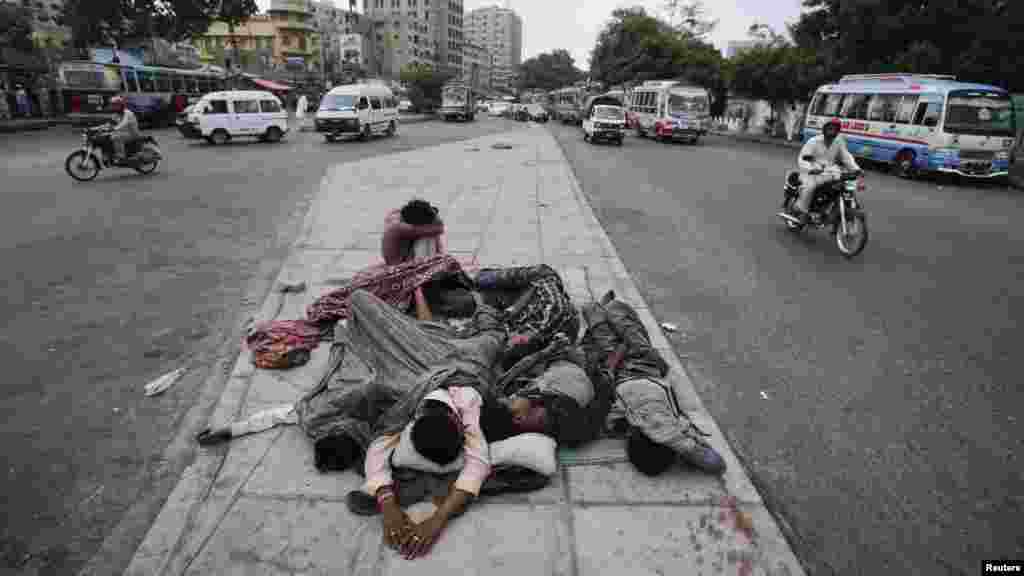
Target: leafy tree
{"points": [[977, 40], [425, 85], [16, 28], [102, 22], [549, 71], [635, 46]]}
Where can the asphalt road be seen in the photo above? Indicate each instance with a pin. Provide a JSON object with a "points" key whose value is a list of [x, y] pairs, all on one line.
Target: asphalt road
{"points": [[114, 282], [875, 401]]}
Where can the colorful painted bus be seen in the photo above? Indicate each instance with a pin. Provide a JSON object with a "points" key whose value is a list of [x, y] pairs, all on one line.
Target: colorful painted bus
{"points": [[568, 104], [920, 123], [151, 92]]}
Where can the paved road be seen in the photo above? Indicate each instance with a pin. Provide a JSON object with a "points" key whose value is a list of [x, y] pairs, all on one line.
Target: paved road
{"points": [[876, 401], [114, 282]]}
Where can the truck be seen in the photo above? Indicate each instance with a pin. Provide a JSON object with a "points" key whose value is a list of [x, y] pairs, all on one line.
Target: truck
{"points": [[458, 102]]}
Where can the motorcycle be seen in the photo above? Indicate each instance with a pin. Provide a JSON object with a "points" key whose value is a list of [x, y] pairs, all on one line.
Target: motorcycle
{"points": [[97, 152], [834, 205]]}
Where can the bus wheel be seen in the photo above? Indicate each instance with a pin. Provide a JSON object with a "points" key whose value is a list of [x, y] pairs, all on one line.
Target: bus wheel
{"points": [[904, 166]]}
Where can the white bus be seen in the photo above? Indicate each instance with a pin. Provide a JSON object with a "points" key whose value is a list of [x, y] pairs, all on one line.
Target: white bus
{"points": [[920, 122], [568, 104], [670, 110]]}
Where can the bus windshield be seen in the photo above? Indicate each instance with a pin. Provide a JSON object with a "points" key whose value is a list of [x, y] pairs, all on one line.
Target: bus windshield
{"points": [[609, 112], [980, 113], [455, 95], [686, 103], [338, 102]]}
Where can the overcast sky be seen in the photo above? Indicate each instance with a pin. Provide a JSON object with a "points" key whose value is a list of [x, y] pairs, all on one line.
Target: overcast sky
{"points": [[574, 24]]}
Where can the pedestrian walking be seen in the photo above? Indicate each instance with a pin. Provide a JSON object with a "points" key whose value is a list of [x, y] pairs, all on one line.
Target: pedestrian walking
{"points": [[300, 109], [5, 109], [21, 99]]}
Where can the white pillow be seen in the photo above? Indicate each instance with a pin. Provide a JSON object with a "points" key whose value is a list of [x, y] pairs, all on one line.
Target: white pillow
{"points": [[531, 451]]}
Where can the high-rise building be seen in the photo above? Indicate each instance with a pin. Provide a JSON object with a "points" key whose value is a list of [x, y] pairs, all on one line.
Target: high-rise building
{"points": [[344, 38], [499, 30], [424, 32], [476, 66]]}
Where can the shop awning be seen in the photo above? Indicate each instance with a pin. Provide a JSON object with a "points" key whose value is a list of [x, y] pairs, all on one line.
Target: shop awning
{"points": [[270, 85]]}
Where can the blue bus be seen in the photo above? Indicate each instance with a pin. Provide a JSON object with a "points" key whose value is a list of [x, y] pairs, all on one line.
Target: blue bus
{"points": [[920, 123]]}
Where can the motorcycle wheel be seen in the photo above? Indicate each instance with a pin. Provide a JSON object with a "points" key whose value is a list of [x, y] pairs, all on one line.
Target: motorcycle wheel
{"points": [[81, 166], [855, 239], [147, 167], [787, 207]]}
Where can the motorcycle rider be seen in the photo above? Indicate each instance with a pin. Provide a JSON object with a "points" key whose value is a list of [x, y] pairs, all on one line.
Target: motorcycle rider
{"points": [[826, 150], [126, 129]]}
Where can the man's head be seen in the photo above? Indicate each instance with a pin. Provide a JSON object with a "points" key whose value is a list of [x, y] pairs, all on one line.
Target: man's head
{"points": [[419, 212], [117, 103], [648, 456], [832, 129], [437, 433], [554, 415]]}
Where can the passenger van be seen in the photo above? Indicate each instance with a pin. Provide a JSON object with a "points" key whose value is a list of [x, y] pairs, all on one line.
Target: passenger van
{"points": [[604, 118], [222, 116], [357, 110], [670, 110], [920, 122]]}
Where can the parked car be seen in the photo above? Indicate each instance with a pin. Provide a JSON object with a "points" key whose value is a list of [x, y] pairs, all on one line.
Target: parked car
{"points": [[222, 116], [537, 113], [405, 106]]}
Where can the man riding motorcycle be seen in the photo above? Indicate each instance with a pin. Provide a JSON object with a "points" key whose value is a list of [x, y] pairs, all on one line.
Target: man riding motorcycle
{"points": [[827, 150], [126, 130]]}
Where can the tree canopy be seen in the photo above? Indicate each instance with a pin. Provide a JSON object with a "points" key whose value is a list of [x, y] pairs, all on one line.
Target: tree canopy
{"points": [[102, 22], [549, 71], [425, 85], [977, 40], [15, 28], [635, 46]]}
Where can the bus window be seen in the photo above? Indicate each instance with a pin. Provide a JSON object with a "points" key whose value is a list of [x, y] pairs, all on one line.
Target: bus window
{"points": [[147, 83], [856, 106], [131, 84], [905, 113], [928, 114], [883, 108], [817, 107], [833, 104]]}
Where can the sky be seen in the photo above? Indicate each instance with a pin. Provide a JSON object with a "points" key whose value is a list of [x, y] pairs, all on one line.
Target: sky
{"points": [[575, 24]]}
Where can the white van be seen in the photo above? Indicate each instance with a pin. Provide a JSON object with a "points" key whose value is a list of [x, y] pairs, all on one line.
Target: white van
{"points": [[222, 116], [357, 110]]}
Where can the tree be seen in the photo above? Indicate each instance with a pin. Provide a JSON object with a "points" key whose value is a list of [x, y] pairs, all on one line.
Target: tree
{"points": [[974, 39], [104, 22], [16, 28], [635, 46], [549, 71], [688, 18], [425, 85]]}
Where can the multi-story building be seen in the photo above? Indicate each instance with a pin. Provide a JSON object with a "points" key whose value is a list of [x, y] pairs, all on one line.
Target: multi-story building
{"points": [[298, 42], [344, 38], [416, 32], [283, 41], [476, 66], [499, 30]]}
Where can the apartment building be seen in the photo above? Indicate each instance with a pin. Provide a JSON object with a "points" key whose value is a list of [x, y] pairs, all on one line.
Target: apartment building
{"points": [[422, 32], [344, 38], [499, 30], [477, 63]]}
